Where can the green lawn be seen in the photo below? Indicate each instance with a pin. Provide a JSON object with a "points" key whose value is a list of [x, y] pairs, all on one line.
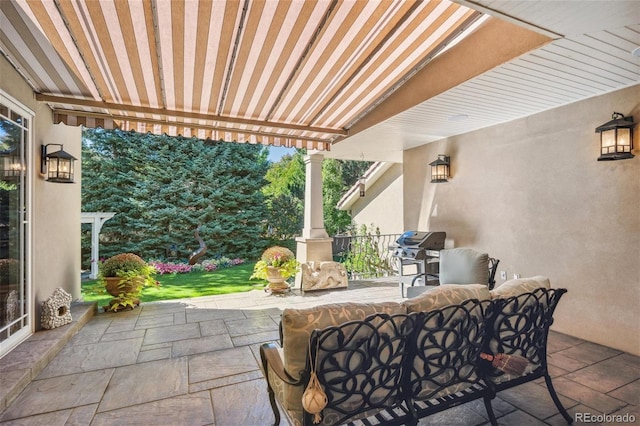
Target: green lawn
{"points": [[178, 286]]}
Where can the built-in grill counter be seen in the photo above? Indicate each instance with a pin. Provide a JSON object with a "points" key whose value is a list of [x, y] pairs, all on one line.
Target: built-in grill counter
{"points": [[417, 254]]}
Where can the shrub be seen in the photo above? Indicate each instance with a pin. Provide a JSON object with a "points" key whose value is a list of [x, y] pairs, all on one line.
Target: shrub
{"points": [[127, 265]]}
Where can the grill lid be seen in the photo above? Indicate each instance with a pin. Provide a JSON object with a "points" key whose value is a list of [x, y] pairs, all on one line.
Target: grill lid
{"points": [[419, 239]]}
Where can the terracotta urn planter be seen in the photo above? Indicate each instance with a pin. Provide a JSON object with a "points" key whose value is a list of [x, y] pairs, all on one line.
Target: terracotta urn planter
{"points": [[123, 277], [131, 288], [277, 283], [115, 286]]}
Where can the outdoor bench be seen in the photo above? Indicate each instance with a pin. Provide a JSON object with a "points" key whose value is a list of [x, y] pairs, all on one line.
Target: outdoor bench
{"points": [[394, 363]]}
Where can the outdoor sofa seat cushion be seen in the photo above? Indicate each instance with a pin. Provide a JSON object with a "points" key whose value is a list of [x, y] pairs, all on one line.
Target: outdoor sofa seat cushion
{"points": [[463, 266], [446, 295]]}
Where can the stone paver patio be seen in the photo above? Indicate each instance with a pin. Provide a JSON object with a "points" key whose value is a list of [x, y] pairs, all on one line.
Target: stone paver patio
{"points": [[196, 362]]}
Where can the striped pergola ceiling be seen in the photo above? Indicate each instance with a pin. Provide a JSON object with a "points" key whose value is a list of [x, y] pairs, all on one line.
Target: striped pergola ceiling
{"points": [[288, 73]]}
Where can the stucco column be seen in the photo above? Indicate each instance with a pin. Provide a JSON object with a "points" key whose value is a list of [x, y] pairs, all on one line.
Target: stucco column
{"points": [[313, 213], [315, 243]]}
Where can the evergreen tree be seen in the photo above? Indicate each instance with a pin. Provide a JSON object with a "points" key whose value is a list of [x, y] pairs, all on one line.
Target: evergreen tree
{"points": [[162, 188]]}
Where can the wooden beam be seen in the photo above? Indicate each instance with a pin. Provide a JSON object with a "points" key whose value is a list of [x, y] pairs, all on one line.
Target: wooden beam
{"points": [[183, 114], [490, 45]]}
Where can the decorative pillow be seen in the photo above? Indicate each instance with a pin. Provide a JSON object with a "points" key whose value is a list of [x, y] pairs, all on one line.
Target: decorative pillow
{"points": [[297, 325], [446, 295], [519, 286], [463, 266]]}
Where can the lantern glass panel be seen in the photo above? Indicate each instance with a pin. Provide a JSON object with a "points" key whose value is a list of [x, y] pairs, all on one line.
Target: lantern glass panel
{"points": [[624, 140], [439, 172], [608, 141], [53, 167], [64, 166], [66, 170]]}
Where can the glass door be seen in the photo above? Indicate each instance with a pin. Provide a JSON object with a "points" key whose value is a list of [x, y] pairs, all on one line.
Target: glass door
{"points": [[15, 324]]}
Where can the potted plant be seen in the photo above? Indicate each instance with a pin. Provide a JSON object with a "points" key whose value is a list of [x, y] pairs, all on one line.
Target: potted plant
{"points": [[124, 276], [276, 265]]}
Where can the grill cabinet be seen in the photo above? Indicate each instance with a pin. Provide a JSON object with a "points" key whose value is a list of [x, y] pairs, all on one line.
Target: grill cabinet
{"points": [[420, 251]]}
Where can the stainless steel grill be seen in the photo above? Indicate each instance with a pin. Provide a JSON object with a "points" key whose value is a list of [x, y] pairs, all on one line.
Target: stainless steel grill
{"points": [[421, 251]]}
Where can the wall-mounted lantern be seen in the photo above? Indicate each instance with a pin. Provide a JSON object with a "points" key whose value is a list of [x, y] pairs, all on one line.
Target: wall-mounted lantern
{"points": [[616, 138], [57, 165], [440, 169], [10, 165], [361, 186]]}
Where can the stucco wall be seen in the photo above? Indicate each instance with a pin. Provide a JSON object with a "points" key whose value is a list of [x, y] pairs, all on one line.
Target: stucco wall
{"points": [[531, 193], [382, 203], [55, 208]]}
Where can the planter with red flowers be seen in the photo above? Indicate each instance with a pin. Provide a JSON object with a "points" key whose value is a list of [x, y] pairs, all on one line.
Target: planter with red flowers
{"points": [[276, 265]]}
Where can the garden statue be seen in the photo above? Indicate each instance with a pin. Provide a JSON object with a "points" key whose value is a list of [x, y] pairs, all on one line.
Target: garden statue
{"points": [[196, 255]]}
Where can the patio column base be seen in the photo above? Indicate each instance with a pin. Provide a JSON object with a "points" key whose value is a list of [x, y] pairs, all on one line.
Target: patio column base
{"points": [[312, 250]]}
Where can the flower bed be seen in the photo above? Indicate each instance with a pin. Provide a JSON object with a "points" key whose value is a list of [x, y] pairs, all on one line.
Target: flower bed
{"points": [[184, 268]]}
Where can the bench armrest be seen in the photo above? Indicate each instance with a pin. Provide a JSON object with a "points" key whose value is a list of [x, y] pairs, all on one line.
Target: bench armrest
{"points": [[271, 358]]}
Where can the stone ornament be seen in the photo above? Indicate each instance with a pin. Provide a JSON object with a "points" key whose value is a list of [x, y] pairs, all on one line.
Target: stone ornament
{"points": [[323, 275], [56, 310]]}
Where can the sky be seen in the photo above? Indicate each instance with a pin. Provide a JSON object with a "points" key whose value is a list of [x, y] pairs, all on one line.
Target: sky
{"points": [[277, 152]]}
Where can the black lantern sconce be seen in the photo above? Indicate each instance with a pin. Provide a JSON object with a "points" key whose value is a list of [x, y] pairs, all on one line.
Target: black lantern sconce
{"points": [[60, 164], [616, 138], [10, 164], [361, 186], [440, 169]]}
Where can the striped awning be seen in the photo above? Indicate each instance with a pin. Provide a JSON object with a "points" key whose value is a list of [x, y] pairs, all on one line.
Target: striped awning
{"points": [[197, 130], [288, 73]]}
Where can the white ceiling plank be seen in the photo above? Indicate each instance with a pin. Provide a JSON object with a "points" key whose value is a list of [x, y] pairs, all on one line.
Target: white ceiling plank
{"points": [[536, 80], [591, 58]]}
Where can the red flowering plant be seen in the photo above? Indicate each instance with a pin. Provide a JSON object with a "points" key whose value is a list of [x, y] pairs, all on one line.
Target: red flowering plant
{"points": [[277, 257], [210, 265]]}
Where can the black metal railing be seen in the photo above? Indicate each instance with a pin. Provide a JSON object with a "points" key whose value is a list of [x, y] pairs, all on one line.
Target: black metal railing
{"points": [[366, 256]]}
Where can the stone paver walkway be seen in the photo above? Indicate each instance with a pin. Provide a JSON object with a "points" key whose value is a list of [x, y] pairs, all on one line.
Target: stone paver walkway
{"points": [[196, 362]]}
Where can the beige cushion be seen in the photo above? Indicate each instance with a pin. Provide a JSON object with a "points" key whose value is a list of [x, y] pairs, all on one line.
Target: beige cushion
{"points": [[297, 325], [463, 266], [445, 295], [519, 286]]}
